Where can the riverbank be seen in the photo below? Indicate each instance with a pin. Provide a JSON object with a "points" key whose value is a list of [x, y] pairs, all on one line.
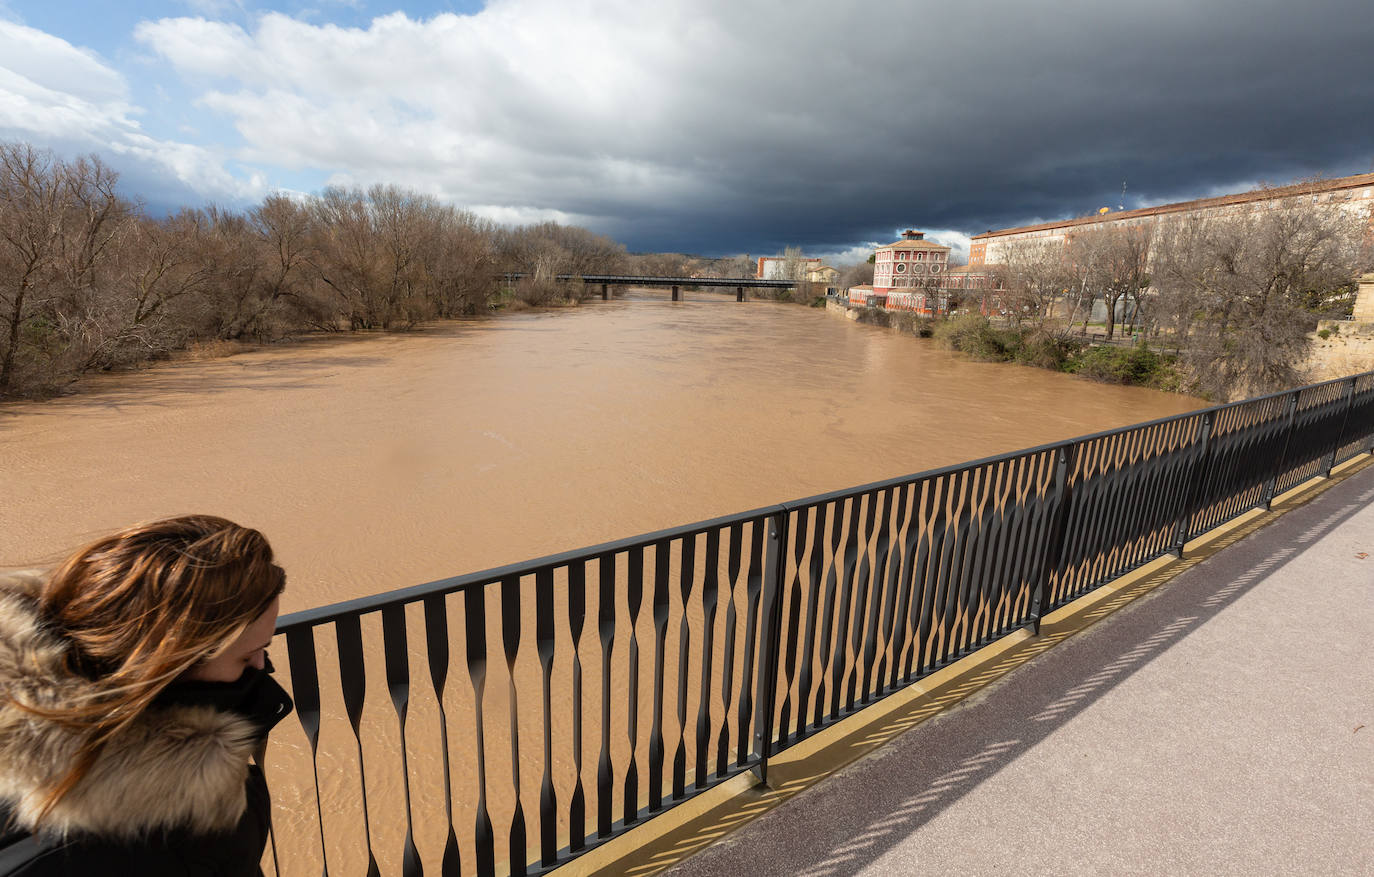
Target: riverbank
{"points": [[204, 350], [975, 336]]}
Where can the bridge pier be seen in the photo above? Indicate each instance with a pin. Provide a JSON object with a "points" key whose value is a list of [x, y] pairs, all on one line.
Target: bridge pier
{"points": [[739, 293], [675, 293], [605, 292]]}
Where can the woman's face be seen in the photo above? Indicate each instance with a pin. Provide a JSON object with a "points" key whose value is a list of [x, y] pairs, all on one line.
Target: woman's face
{"points": [[249, 650]]}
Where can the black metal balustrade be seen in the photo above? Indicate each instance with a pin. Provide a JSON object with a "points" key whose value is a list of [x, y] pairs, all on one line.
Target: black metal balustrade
{"points": [[568, 698]]}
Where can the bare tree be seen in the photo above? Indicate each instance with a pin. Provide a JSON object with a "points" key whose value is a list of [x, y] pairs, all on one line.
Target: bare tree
{"points": [[730, 267], [464, 266], [1113, 261], [60, 224], [89, 282], [31, 227], [793, 264], [857, 274], [1034, 275], [1233, 287]]}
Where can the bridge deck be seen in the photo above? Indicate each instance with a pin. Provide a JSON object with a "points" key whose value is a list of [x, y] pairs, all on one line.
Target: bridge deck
{"points": [[646, 280], [1223, 724]]}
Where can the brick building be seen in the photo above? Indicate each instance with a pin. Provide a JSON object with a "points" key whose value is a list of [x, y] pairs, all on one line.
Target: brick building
{"points": [[910, 263], [913, 274]]}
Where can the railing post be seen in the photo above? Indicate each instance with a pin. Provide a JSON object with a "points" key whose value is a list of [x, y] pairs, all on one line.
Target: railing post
{"points": [[1290, 414], [1340, 434], [1196, 476], [1055, 540], [766, 690]]}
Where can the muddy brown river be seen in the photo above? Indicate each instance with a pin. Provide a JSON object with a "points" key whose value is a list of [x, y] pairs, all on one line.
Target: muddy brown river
{"points": [[379, 462]]}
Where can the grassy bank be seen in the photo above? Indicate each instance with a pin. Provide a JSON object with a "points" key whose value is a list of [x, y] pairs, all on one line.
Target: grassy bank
{"points": [[974, 335]]}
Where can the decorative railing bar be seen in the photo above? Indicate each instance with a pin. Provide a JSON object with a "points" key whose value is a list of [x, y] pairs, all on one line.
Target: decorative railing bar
{"points": [[788, 619], [746, 748], [548, 798], [396, 657], [659, 601], [1051, 555], [305, 690], [475, 615], [577, 613], [437, 649], [606, 631], [686, 578], [775, 560], [727, 688]]}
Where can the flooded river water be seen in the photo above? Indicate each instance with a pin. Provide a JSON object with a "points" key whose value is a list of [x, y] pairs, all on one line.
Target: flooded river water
{"points": [[380, 462]]}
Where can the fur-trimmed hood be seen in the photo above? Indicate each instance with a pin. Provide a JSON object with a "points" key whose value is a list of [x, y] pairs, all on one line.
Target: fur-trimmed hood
{"points": [[175, 767]]}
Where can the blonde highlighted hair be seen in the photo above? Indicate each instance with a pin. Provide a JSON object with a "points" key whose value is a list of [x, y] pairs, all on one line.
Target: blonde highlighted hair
{"points": [[142, 606]]}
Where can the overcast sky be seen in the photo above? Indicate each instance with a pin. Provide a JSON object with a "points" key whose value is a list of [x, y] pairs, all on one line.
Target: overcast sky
{"points": [[702, 126]]}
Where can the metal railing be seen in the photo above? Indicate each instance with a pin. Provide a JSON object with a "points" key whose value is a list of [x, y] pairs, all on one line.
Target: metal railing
{"points": [[568, 698]]}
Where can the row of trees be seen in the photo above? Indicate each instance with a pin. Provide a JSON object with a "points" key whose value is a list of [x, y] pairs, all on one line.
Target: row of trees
{"points": [[89, 280], [1233, 293]]}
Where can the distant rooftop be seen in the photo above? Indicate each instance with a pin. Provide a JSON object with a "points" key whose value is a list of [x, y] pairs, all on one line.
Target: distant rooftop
{"points": [[1310, 187]]}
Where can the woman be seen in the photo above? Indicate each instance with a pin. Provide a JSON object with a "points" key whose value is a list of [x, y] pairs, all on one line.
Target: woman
{"points": [[133, 693]]}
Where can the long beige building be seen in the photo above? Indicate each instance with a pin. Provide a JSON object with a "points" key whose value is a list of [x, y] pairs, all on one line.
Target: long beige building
{"points": [[1347, 193]]}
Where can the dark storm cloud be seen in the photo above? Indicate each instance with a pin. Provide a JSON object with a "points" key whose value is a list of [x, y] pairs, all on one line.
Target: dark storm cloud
{"points": [[1013, 113], [724, 127]]}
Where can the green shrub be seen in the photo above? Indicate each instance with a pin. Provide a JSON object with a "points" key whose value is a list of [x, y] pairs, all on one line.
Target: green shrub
{"points": [[1126, 365], [1041, 349], [974, 335], [1324, 334]]}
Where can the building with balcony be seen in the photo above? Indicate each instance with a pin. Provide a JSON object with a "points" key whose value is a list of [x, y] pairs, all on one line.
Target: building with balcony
{"points": [[909, 264]]}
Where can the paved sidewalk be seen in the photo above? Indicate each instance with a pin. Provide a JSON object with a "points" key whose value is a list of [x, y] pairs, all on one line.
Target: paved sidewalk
{"points": [[1223, 724]]}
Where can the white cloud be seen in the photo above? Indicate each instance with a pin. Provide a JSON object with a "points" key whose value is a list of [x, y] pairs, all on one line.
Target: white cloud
{"points": [[850, 255], [56, 66], [957, 241], [595, 107], [57, 95]]}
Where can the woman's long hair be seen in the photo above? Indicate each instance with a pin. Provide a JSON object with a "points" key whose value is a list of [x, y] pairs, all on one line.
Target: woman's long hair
{"points": [[139, 608]]}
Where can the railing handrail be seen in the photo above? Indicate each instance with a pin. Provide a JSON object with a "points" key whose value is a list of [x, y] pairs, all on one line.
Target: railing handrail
{"points": [[373, 602], [453, 584]]}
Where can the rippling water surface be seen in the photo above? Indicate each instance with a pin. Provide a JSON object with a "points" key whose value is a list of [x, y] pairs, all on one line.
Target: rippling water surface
{"points": [[378, 462]]}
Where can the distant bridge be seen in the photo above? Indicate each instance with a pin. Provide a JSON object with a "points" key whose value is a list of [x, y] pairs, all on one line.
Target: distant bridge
{"points": [[676, 283]]}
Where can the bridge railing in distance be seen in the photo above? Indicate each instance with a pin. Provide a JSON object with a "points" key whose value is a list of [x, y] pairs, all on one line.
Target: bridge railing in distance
{"points": [[523, 715]]}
